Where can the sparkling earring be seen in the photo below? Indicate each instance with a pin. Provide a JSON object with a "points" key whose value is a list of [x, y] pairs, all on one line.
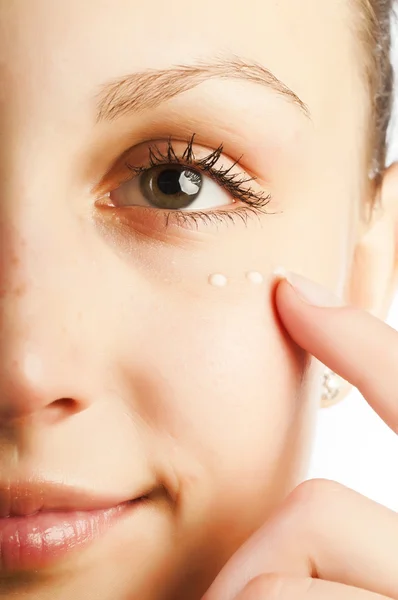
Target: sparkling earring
{"points": [[331, 385]]}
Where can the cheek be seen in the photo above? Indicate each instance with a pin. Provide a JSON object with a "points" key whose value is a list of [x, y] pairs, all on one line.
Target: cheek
{"points": [[223, 382]]}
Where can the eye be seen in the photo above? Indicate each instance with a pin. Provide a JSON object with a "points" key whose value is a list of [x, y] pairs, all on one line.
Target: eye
{"points": [[184, 185], [171, 187]]}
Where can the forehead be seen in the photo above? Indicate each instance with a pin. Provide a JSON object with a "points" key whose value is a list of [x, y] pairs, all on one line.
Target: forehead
{"points": [[55, 57], [69, 48]]}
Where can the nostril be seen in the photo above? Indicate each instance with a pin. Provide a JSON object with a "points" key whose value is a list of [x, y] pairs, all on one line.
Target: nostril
{"points": [[63, 407]]}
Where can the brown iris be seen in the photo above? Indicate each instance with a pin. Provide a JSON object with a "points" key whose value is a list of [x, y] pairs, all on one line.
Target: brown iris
{"points": [[170, 187]]}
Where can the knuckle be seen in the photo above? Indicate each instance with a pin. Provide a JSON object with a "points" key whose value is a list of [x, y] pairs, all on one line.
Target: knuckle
{"points": [[310, 505], [314, 495]]}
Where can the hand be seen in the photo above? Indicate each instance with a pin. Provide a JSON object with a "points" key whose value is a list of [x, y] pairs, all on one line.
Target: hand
{"points": [[325, 541]]}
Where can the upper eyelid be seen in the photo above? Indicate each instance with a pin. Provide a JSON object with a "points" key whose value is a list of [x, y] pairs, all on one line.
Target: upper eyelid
{"points": [[124, 159], [210, 160], [187, 157]]}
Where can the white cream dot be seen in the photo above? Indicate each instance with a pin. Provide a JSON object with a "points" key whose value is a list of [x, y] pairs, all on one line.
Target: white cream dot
{"points": [[218, 280], [255, 277]]}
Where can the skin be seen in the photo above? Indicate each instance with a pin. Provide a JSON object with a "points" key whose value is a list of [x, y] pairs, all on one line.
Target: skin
{"points": [[121, 368], [306, 551]]}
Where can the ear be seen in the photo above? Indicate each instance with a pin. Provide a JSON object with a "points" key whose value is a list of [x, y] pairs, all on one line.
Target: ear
{"points": [[373, 280], [374, 276]]}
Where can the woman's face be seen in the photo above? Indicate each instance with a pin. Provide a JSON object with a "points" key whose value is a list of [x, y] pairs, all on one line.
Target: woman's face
{"points": [[123, 369]]}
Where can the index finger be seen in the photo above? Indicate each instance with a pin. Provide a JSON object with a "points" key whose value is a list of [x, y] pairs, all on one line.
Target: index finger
{"points": [[325, 531], [354, 344]]}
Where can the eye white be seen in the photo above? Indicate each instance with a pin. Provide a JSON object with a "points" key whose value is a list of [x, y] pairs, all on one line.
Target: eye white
{"points": [[211, 195]]}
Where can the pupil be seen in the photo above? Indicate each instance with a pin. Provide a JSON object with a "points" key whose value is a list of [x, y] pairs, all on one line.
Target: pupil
{"points": [[171, 188], [169, 181]]}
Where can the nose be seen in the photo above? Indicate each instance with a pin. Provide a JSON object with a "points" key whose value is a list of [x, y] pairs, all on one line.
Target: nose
{"points": [[31, 385], [42, 371]]}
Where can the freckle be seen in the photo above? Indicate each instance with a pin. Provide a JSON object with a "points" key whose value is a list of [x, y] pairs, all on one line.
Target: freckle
{"points": [[20, 290], [218, 280], [255, 277]]}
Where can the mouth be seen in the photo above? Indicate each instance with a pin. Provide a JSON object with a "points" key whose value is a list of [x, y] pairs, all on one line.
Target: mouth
{"points": [[42, 524]]}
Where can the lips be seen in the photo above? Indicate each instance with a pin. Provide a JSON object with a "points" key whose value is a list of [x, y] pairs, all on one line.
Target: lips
{"points": [[23, 499], [41, 523]]}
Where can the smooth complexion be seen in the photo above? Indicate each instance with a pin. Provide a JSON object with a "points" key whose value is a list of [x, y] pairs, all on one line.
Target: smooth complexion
{"points": [[145, 378]]}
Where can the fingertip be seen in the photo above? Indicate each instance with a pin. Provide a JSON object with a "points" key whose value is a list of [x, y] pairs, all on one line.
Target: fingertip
{"points": [[280, 273], [309, 291], [284, 291]]}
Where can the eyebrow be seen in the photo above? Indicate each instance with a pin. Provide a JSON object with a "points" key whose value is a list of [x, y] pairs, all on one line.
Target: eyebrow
{"points": [[150, 88]]}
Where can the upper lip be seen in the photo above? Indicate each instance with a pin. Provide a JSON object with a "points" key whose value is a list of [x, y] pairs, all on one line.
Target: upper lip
{"points": [[24, 498]]}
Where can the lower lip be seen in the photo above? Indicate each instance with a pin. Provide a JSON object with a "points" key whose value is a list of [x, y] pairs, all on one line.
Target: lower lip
{"points": [[38, 541]]}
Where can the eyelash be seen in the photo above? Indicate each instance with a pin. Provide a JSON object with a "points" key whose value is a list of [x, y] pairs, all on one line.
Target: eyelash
{"points": [[234, 183]]}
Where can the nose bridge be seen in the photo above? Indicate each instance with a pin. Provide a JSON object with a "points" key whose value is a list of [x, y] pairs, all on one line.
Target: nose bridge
{"points": [[27, 256], [43, 271], [38, 220], [30, 239], [37, 315]]}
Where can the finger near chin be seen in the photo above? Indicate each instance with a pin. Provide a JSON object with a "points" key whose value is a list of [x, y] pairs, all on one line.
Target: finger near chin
{"points": [[362, 349], [325, 531], [279, 587]]}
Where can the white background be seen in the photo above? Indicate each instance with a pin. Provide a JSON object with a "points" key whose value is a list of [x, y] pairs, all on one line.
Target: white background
{"points": [[353, 446]]}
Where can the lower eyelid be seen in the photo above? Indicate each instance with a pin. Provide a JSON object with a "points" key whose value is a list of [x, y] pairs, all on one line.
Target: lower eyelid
{"points": [[157, 223]]}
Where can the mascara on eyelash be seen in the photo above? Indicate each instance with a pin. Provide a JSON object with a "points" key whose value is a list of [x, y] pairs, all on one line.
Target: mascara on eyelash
{"points": [[229, 181], [252, 205]]}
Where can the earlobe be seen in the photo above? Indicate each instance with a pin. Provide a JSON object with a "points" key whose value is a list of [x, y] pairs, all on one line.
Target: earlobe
{"points": [[374, 277]]}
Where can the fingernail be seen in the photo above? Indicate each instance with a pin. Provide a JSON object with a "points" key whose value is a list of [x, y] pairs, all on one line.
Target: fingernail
{"points": [[309, 291]]}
